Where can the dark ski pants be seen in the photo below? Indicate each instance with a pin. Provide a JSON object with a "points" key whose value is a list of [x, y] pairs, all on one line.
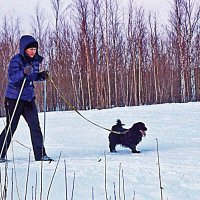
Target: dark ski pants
{"points": [[29, 111]]}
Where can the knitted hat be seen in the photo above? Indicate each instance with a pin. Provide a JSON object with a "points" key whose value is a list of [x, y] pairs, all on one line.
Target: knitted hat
{"points": [[32, 45]]}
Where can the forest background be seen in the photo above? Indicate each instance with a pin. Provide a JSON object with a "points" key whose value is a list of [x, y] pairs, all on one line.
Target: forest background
{"points": [[101, 56]]}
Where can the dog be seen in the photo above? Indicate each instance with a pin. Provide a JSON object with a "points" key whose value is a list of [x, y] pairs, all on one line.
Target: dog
{"points": [[126, 137]]}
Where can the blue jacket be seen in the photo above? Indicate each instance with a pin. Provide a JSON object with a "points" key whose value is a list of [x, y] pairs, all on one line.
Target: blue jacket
{"points": [[16, 72]]}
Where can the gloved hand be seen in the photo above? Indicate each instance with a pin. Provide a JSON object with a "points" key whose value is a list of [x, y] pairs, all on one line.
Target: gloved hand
{"points": [[45, 74], [28, 69]]}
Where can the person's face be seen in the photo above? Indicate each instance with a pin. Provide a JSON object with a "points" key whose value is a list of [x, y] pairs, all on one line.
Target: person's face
{"points": [[31, 52]]}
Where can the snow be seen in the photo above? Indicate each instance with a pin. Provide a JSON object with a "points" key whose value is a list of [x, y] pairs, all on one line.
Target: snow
{"points": [[84, 149]]}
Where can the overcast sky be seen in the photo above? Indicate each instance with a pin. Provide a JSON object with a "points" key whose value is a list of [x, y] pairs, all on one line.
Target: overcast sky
{"points": [[24, 9]]}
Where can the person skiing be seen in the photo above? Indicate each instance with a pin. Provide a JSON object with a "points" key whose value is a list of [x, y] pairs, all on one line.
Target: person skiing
{"points": [[23, 70]]}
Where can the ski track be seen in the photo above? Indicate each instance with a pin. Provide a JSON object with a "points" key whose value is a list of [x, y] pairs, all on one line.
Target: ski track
{"points": [[84, 148]]}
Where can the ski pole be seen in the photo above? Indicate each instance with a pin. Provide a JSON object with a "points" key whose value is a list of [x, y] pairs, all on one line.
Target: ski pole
{"points": [[45, 101], [15, 108], [45, 105]]}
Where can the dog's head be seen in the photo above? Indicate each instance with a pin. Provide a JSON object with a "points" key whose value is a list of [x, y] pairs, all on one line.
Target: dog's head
{"points": [[140, 126]]}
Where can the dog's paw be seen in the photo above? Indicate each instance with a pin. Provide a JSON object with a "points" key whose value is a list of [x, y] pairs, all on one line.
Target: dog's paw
{"points": [[113, 151], [135, 151]]}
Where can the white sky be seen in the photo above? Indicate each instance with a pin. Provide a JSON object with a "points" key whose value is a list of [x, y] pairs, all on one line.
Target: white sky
{"points": [[24, 10]]}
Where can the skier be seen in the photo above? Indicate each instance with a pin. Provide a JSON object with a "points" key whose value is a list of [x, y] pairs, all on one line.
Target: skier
{"points": [[24, 66]]}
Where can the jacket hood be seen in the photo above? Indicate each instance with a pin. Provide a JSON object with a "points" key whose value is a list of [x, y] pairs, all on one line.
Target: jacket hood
{"points": [[26, 40]]}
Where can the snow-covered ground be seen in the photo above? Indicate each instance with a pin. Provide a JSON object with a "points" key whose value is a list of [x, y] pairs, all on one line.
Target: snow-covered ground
{"points": [[84, 149]]}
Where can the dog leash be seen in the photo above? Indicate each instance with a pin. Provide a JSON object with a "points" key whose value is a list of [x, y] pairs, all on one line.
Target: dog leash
{"points": [[73, 108]]}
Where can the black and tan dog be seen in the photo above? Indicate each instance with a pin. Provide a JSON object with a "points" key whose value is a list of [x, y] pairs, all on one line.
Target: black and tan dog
{"points": [[127, 137]]}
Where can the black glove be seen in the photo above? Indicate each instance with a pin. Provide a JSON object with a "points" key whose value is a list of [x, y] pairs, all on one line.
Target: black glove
{"points": [[28, 69], [45, 74]]}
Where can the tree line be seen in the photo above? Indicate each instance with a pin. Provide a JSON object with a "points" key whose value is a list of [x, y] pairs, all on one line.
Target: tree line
{"points": [[99, 56]]}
